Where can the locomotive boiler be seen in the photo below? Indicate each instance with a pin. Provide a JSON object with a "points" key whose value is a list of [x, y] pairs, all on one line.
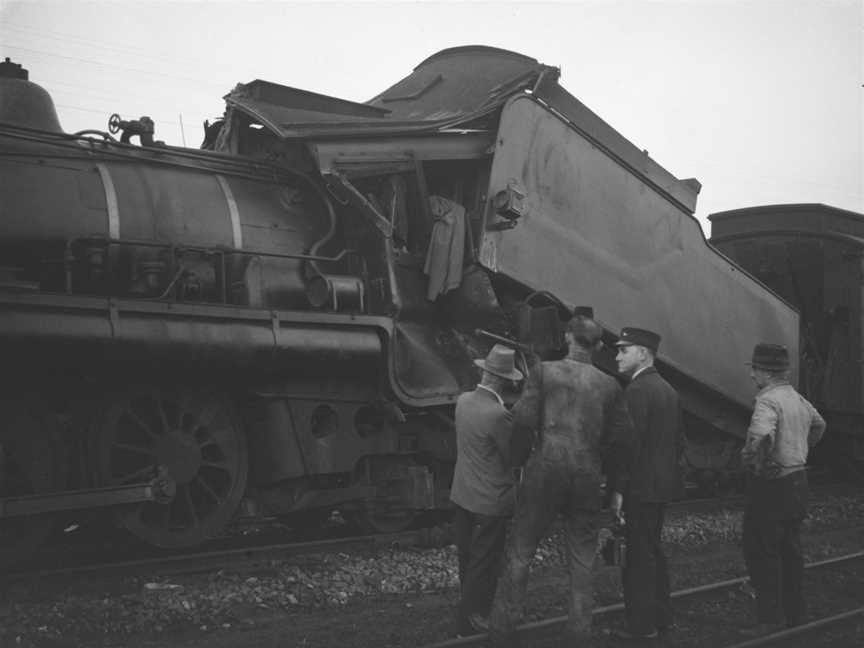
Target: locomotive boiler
{"points": [[280, 321]]}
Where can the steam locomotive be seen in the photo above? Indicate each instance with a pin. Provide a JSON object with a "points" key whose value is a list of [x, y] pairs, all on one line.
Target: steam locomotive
{"points": [[280, 321]]}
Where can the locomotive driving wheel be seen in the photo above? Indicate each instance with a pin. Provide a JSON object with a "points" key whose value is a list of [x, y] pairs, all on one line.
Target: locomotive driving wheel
{"points": [[192, 437], [31, 461]]}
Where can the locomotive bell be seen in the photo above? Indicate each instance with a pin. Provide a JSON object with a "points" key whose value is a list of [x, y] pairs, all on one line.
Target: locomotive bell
{"points": [[24, 103]]}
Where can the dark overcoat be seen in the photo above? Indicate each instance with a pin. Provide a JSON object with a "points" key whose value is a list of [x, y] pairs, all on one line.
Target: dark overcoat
{"points": [[648, 466]]}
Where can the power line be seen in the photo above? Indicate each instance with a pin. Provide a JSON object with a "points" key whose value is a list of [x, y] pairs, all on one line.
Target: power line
{"points": [[89, 42], [111, 65], [104, 113], [121, 97]]}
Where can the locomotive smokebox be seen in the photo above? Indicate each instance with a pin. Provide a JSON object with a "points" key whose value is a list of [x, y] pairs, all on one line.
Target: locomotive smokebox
{"points": [[24, 103]]}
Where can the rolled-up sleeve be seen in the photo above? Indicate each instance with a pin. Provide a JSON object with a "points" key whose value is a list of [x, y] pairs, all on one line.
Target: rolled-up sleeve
{"points": [[817, 427]]}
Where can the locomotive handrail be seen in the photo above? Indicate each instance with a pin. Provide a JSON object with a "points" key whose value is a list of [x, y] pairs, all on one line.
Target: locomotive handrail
{"points": [[154, 155], [211, 250]]}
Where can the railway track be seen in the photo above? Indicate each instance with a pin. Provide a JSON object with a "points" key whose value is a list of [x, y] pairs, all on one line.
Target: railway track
{"points": [[540, 633], [247, 559], [251, 557]]}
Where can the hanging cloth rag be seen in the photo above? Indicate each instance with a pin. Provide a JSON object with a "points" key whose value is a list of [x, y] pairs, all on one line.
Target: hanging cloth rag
{"points": [[446, 247]]}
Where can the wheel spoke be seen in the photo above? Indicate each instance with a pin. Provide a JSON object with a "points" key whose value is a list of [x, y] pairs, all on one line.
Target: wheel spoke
{"points": [[160, 408], [205, 486], [200, 420], [184, 425], [217, 465], [207, 439], [137, 420], [132, 448], [140, 474], [187, 495]]}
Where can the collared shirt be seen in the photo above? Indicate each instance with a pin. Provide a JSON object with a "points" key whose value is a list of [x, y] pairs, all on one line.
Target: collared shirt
{"points": [[494, 393], [783, 428], [639, 371]]}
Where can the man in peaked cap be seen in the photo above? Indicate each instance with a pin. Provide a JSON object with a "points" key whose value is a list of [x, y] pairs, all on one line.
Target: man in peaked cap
{"points": [[783, 427], [646, 476], [573, 410], [483, 487]]}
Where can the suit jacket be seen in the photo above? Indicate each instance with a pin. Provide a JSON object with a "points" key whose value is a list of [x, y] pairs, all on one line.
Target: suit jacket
{"points": [[647, 468], [577, 412], [482, 480]]}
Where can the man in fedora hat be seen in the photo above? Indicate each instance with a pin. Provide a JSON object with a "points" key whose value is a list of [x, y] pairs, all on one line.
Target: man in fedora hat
{"points": [[573, 410], [783, 427], [483, 486], [646, 476]]}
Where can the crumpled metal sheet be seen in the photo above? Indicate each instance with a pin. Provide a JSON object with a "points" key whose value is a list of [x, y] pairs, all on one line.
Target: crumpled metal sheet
{"points": [[453, 87]]}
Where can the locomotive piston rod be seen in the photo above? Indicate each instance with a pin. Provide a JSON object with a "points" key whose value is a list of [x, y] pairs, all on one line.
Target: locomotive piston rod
{"points": [[161, 490]]}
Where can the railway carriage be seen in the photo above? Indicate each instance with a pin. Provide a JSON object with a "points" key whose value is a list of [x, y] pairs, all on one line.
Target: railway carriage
{"points": [[811, 254]]}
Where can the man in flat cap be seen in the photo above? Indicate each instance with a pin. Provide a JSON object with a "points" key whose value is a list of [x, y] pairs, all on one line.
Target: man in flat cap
{"points": [[483, 487], [783, 427], [573, 410], [644, 479]]}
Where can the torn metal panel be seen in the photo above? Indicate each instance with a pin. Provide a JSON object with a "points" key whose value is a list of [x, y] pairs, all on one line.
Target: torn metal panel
{"points": [[452, 88], [460, 82], [341, 187]]}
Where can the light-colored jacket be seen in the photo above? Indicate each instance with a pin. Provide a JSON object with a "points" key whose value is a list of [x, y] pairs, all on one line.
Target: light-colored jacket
{"points": [[482, 480], [783, 428]]}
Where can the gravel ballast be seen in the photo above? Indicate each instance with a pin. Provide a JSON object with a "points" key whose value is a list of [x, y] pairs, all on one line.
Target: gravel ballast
{"points": [[42, 614]]}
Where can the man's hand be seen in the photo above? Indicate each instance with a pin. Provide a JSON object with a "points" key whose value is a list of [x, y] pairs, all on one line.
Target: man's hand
{"points": [[615, 504]]}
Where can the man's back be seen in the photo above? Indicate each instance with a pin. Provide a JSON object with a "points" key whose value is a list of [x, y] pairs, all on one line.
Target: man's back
{"points": [[788, 426], [482, 481], [575, 407]]}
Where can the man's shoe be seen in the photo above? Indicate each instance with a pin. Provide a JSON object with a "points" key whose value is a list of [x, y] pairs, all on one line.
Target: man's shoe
{"points": [[626, 635], [759, 629]]}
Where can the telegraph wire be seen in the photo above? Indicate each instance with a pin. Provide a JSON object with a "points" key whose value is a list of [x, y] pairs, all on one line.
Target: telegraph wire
{"points": [[165, 123], [111, 65], [128, 97], [62, 36]]}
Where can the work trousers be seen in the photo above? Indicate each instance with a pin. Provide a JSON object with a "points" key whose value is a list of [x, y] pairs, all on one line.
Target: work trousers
{"points": [[547, 490], [773, 513], [480, 546], [646, 572]]}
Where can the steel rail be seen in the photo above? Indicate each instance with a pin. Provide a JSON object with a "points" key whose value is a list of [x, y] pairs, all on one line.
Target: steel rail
{"points": [[804, 628], [536, 626], [240, 558]]}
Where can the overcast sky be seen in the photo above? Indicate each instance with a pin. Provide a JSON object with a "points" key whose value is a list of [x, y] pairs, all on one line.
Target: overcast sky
{"points": [[762, 101]]}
